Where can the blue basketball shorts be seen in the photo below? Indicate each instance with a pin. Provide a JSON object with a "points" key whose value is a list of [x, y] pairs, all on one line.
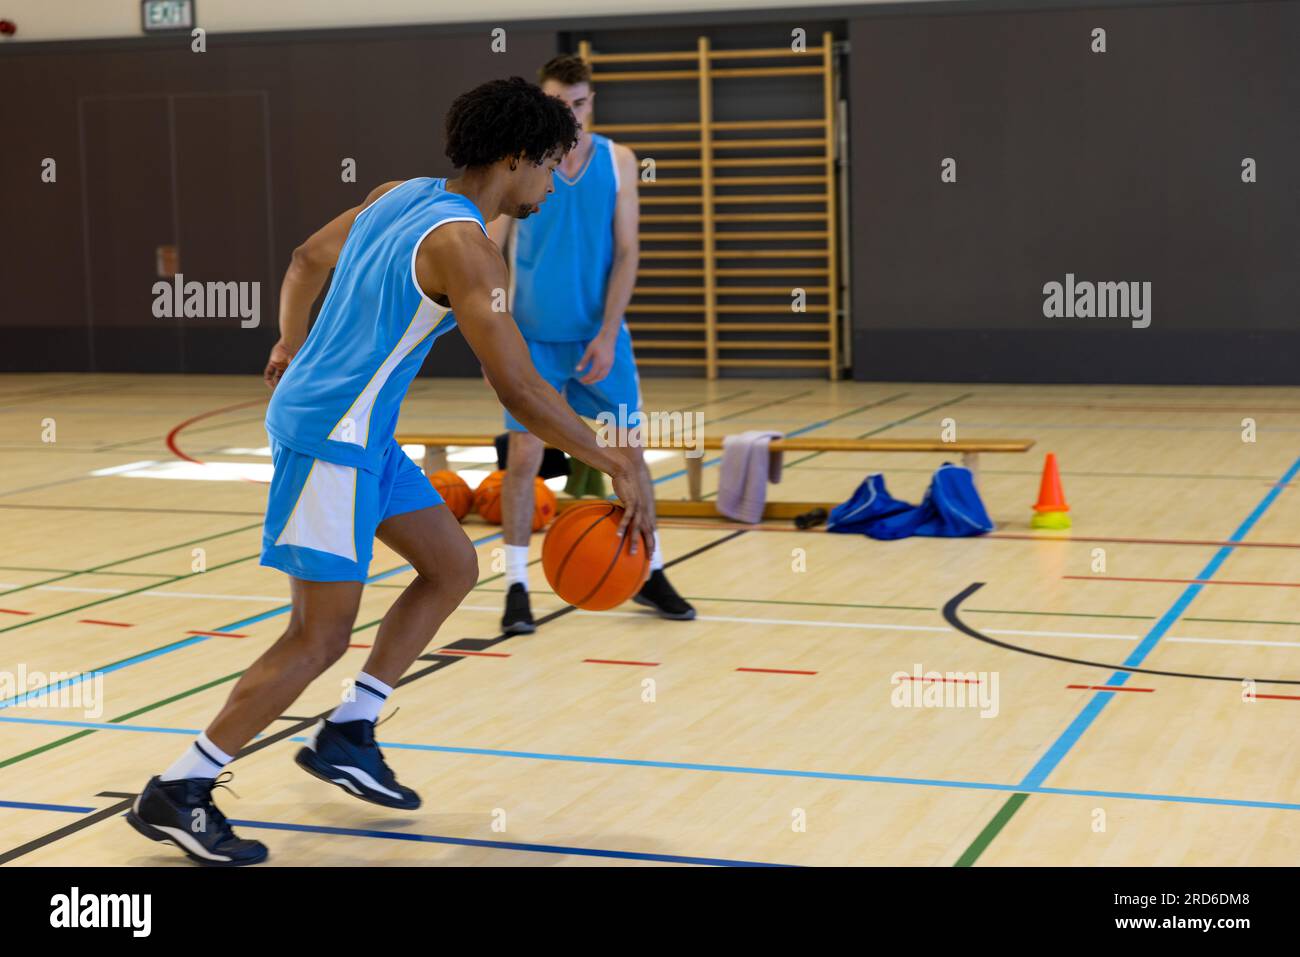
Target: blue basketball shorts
{"points": [[557, 363], [321, 517]]}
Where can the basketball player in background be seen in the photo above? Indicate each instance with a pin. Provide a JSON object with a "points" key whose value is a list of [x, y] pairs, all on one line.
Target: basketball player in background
{"points": [[572, 270], [411, 262]]}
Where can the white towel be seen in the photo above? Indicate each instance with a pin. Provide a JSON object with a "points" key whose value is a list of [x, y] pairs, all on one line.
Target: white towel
{"points": [[747, 466]]}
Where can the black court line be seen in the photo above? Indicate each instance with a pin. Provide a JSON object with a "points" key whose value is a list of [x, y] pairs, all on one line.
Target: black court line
{"points": [[495, 845], [301, 724], [80, 825], [950, 614]]}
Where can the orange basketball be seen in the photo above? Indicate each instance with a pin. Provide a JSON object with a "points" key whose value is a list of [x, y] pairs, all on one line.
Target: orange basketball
{"points": [[544, 505], [487, 497], [487, 501], [454, 491], [586, 562]]}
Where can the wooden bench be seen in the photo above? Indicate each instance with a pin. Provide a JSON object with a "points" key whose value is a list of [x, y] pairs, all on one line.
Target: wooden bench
{"points": [[436, 444]]}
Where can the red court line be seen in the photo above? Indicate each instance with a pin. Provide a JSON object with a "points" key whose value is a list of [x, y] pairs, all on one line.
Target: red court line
{"points": [[176, 449], [1280, 697], [606, 661], [359, 646], [1140, 541], [777, 671], [96, 621], [12, 611], [216, 634], [476, 654], [1106, 688], [1177, 581]]}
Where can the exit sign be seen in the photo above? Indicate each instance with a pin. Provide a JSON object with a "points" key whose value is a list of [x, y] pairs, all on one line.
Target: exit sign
{"points": [[162, 16]]}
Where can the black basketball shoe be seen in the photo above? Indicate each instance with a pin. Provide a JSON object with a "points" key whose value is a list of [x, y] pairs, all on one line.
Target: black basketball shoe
{"points": [[518, 619], [346, 754], [182, 813], [658, 594]]}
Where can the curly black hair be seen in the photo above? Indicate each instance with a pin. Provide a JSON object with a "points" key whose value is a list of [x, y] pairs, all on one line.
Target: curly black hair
{"points": [[503, 118]]}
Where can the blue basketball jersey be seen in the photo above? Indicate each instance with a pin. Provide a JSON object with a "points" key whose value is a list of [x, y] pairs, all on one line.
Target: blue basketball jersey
{"points": [[339, 398], [561, 256]]}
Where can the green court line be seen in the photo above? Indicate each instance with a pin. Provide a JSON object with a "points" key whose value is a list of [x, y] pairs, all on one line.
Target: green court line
{"points": [[753, 601], [851, 604], [876, 403], [225, 424], [763, 405], [40, 486], [126, 717], [177, 697], [39, 449], [1242, 621], [119, 595], [71, 572], [870, 432], [991, 830], [478, 587], [149, 707], [482, 582], [720, 399], [45, 747], [133, 558], [130, 714], [157, 704], [890, 425], [125, 509], [1058, 614]]}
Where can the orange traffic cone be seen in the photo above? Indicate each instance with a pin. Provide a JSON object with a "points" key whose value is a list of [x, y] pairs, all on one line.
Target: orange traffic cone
{"points": [[1051, 510]]}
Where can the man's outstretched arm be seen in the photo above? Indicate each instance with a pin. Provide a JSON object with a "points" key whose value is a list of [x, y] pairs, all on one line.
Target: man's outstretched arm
{"points": [[458, 261]]}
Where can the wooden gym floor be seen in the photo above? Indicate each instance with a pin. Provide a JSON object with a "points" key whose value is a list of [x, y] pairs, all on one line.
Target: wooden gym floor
{"points": [[767, 731]]}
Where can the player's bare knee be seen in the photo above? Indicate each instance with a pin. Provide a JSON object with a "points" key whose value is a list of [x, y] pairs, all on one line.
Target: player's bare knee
{"points": [[323, 643], [454, 572], [464, 572]]}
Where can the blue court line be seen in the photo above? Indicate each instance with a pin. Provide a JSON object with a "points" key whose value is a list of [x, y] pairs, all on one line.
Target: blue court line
{"points": [[30, 806], [800, 431], [124, 663], [245, 622], [834, 776], [102, 726], [1070, 737], [194, 640], [439, 839], [504, 845], [731, 768]]}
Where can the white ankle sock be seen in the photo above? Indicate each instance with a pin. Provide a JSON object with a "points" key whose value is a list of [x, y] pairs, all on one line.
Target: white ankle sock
{"points": [[368, 697], [657, 559], [202, 759], [516, 565]]}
